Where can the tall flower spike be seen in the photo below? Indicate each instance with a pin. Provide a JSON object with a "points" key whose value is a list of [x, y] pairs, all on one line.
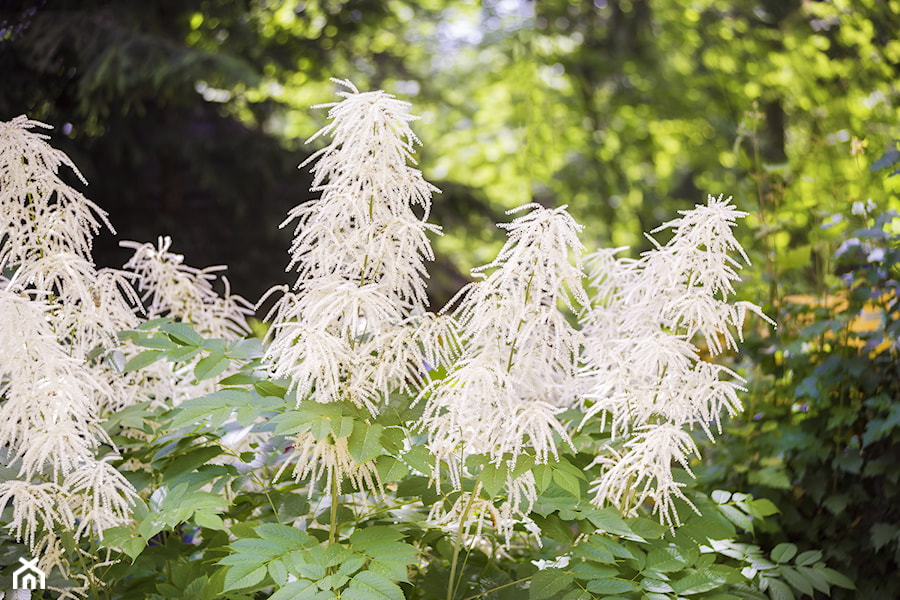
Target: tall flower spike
{"points": [[643, 375], [355, 326], [60, 317], [519, 352]]}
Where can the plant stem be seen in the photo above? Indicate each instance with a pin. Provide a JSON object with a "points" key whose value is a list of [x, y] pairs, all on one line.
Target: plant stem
{"points": [[333, 525], [451, 586]]}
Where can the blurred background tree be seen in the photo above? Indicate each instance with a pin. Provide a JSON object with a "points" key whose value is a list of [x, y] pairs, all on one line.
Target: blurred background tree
{"points": [[188, 118]]}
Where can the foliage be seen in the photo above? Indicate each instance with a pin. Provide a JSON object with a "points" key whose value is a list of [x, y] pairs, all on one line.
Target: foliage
{"points": [[824, 435]]}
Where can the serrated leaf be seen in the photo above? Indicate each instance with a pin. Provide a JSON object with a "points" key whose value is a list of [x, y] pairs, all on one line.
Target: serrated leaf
{"points": [[364, 538], [810, 557], [763, 507], [367, 585], [267, 388], [239, 379], [779, 590], [493, 478], [365, 441], [210, 366], [784, 552], [548, 583], [302, 589], [797, 580], [543, 476], [817, 579], [720, 496], [697, 583], [420, 459], [612, 585], [608, 520], [736, 516], [182, 333], [209, 520], [390, 469], [837, 578], [243, 576], [287, 537], [144, 359], [278, 572]]}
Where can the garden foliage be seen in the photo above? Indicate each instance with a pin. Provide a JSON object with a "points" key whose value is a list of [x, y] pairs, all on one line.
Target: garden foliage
{"points": [[367, 449]]}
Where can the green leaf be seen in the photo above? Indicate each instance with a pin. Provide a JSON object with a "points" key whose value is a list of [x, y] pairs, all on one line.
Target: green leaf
{"points": [[609, 520], [736, 516], [239, 379], [797, 580], [390, 469], [783, 553], [210, 366], [182, 333], [144, 359], [568, 477], [493, 478], [837, 578], [365, 441], [209, 520], [763, 507], [548, 583], [243, 576], [267, 388], [420, 459], [363, 539], [810, 557], [779, 590], [367, 585], [613, 585], [698, 582], [816, 578], [666, 560], [302, 589], [543, 476], [720, 496]]}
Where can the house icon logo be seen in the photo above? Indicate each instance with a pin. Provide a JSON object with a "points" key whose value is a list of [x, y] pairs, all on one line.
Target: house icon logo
{"points": [[28, 576]]}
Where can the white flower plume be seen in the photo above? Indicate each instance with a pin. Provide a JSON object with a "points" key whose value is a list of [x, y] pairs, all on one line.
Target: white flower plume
{"points": [[643, 375], [59, 316], [171, 288], [355, 327], [519, 353]]}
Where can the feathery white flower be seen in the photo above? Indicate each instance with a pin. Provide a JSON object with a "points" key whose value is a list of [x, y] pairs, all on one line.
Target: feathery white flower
{"points": [[355, 327], [171, 288], [519, 353], [59, 317], [643, 375]]}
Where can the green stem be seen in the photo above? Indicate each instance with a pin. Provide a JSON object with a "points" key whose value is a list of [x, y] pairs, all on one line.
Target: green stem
{"points": [[452, 585], [333, 525]]}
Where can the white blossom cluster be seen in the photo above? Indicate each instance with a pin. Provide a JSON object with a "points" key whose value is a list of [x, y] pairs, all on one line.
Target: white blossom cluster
{"points": [[170, 288], [643, 374], [60, 357], [355, 326], [59, 316], [520, 355]]}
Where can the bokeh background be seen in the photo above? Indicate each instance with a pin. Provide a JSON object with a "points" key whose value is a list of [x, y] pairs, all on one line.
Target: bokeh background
{"points": [[188, 118]]}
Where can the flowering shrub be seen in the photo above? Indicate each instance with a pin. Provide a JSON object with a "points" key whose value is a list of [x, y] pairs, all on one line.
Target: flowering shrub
{"points": [[369, 449]]}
